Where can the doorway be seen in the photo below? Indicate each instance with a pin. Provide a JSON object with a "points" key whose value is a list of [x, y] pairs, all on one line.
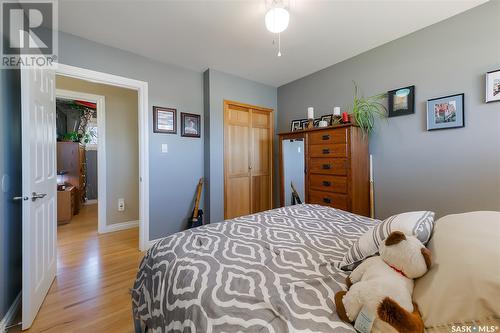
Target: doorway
{"points": [[141, 88], [81, 159], [39, 150]]}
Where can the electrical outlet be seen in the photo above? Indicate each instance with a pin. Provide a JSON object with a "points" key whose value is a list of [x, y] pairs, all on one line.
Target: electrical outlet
{"points": [[164, 148], [121, 205]]}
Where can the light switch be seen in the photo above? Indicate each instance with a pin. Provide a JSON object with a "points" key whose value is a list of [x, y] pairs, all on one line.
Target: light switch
{"points": [[164, 148]]}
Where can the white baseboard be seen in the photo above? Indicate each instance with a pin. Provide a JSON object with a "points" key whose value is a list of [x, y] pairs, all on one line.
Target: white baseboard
{"points": [[11, 314], [91, 202], [120, 226]]}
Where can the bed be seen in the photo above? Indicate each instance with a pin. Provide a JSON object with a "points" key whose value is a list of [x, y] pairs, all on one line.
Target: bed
{"points": [[275, 271]]}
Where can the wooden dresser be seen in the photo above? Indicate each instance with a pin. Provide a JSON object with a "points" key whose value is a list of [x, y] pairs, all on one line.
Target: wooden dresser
{"points": [[336, 169], [71, 158]]}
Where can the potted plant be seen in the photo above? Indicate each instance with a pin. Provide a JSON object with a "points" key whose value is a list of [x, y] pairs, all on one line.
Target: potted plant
{"points": [[77, 137], [71, 137], [366, 109]]}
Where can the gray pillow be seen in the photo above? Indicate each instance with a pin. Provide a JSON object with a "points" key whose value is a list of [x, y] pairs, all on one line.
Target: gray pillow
{"points": [[419, 224]]}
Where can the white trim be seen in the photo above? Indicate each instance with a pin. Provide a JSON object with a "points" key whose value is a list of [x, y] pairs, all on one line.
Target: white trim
{"points": [[143, 111], [90, 202], [11, 314], [120, 226], [101, 151]]}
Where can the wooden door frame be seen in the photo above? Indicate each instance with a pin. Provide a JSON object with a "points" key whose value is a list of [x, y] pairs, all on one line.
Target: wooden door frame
{"points": [[226, 104]]}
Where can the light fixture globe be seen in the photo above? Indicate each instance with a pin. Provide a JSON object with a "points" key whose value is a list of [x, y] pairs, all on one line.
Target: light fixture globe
{"points": [[277, 20]]}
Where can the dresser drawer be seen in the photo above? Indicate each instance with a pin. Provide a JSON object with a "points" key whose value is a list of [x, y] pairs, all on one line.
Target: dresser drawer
{"points": [[329, 166], [328, 150], [328, 137], [328, 199], [328, 183]]}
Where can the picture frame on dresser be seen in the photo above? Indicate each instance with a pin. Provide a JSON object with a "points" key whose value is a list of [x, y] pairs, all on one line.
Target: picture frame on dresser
{"points": [[296, 125]]}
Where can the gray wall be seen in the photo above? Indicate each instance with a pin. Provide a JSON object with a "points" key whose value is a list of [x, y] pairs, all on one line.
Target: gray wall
{"points": [[219, 87], [174, 175], [122, 145], [448, 171], [10, 186]]}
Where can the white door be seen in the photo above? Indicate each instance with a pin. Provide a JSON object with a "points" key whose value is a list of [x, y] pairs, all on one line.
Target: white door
{"points": [[39, 188]]}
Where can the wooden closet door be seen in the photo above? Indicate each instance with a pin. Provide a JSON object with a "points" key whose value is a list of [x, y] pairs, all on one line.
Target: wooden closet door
{"points": [[248, 154], [261, 160], [237, 180]]}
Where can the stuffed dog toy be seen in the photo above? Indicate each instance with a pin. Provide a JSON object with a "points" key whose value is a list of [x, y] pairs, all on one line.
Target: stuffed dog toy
{"points": [[383, 286]]}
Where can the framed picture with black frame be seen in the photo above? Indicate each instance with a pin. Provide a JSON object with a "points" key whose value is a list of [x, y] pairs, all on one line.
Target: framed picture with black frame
{"points": [[190, 125], [446, 112], [401, 101], [164, 120], [296, 125], [493, 86]]}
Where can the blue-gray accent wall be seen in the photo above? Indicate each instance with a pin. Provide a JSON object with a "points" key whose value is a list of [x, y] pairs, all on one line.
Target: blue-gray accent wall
{"points": [[221, 86], [447, 171], [10, 186], [173, 175]]}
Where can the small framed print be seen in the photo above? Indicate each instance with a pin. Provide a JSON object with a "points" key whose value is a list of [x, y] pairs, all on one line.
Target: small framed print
{"points": [[164, 120], [296, 125], [401, 101], [445, 112], [328, 118], [316, 122], [493, 86], [190, 125]]}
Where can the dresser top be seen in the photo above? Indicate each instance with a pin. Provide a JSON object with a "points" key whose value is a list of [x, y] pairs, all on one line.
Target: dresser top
{"points": [[318, 129]]}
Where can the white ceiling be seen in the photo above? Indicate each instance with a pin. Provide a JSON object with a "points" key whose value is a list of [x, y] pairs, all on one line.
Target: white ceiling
{"points": [[230, 36]]}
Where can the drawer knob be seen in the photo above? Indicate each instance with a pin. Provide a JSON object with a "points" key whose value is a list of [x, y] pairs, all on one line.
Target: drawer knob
{"points": [[327, 200], [326, 151], [326, 183], [327, 166], [326, 137]]}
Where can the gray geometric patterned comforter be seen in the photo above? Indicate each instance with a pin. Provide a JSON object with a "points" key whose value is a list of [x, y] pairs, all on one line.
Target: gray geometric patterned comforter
{"points": [[275, 271]]}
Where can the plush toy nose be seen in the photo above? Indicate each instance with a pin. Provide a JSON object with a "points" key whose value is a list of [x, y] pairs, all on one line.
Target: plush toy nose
{"points": [[427, 254]]}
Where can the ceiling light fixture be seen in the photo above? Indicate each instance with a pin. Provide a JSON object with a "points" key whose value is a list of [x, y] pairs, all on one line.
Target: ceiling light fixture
{"points": [[277, 19]]}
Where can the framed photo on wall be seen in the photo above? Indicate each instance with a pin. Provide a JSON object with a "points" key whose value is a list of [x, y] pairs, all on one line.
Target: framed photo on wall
{"points": [[401, 101], [493, 86], [164, 120], [445, 112], [190, 125]]}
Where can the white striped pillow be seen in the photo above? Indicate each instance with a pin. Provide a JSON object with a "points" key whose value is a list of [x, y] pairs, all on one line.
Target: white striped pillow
{"points": [[419, 224]]}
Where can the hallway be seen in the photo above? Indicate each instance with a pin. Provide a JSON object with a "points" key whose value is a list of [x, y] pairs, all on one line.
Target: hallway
{"points": [[94, 275]]}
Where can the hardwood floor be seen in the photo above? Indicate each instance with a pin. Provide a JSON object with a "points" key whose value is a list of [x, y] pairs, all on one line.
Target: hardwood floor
{"points": [[94, 274]]}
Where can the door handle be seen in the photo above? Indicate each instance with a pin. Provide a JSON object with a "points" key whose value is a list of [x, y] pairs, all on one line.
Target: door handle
{"points": [[326, 166], [327, 200], [20, 198], [326, 137], [35, 196], [326, 151], [326, 183]]}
